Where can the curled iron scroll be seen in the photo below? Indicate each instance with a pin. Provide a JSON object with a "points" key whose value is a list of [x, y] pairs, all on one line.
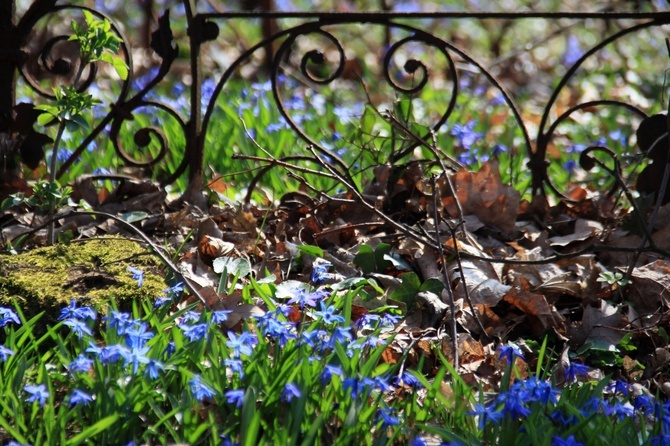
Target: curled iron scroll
{"points": [[63, 66], [547, 129], [143, 137]]}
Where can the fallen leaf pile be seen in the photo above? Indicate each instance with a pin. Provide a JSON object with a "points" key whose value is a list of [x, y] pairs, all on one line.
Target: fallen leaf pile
{"points": [[517, 270]]}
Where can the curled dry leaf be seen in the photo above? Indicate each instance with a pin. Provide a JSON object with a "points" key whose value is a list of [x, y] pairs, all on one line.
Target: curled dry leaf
{"points": [[650, 292], [584, 229], [600, 326]]}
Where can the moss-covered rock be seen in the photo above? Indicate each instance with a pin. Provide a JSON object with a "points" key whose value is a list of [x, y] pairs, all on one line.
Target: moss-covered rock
{"points": [[93, 271]]}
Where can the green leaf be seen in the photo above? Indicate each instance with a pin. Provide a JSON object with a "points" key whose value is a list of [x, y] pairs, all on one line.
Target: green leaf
{"points": [[365, 259], [373, 261], [402, 109], [45, 118], [134, 216], [351, 282], [311, 250], [121, 68], [368, 120], [432, 285], [289, 288], [251, 419], [234, 266], [94, 430], [408, 289]]}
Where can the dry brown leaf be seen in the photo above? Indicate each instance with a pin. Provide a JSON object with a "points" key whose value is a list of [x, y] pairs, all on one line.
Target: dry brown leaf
{"points": [[584, 229], [541, 315], [483, 194], [600, 325], [650, 292]]}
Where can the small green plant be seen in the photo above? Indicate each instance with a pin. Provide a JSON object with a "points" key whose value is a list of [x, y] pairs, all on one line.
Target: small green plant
{"points": [[615, 279], [97, 42]]}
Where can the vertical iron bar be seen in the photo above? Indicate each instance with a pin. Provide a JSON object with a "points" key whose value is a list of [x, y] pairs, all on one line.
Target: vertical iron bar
{"points": [[8, 61], [195, 142]]}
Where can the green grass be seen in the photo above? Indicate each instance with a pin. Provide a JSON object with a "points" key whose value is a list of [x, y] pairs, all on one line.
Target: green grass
{"points": [[161, 376]]}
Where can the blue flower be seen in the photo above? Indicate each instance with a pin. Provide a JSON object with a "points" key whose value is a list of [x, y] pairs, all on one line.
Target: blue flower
{"points": [[78, 327], [407, 379], [320, 272], [593, 405], [329, 371], [573, 51], [387, 417], [137, 335], [619, 386], [80, 364], [356, 386], [644, 404], [305, 298], [290, 392], [80, 397], [341, 335], [37, 393], [235, 397], [137, 274], [235, 365], [110, 353], [373, 342], [153, 368], [277, 126], [564, 420], [190, 316], [510, 352], [389, 320], [620, 410], [573, 369], [465, 134], [194, 332], [162, 301], [327, 314], [175, 290], [199, 389], [498, 149], [238, 345], [220, 316], [570, 441], [206, 92], [368, 321], [170, 349], [118, 320], [486, 414], [5, 353], [63, 155], [7, 315], [660, 440], [136, 356], [72, 311], [418, 441], [570, 165], [514, 404]]}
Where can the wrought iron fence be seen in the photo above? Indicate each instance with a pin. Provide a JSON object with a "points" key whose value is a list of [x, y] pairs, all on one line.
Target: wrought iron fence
{"points": [[314, 52]]}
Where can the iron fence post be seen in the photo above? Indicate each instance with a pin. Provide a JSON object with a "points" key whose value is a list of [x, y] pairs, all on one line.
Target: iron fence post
{"points": [[8, 63]]}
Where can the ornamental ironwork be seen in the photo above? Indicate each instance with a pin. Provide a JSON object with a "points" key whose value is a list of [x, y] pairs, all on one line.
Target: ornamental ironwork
{"points": [[386, 57]]}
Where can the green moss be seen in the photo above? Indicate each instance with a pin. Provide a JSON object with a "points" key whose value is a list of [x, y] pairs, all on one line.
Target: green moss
{"points": [[94, 272]]}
